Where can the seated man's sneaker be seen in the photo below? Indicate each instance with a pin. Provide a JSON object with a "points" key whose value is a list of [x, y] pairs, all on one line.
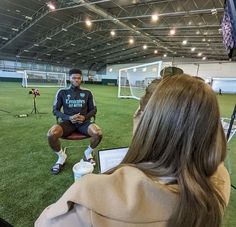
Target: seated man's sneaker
{"points": [[90, 159]]}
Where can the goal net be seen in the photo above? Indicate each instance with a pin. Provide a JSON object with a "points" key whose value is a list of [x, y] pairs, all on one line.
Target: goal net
{"points": [[43, 79], [132, 81]]}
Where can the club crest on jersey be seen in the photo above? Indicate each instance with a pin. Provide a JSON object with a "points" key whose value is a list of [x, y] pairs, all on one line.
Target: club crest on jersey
{"points": [[82, 95]]}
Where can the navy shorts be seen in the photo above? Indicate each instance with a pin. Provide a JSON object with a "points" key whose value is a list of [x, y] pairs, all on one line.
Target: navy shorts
{"points": [[68, 127]]}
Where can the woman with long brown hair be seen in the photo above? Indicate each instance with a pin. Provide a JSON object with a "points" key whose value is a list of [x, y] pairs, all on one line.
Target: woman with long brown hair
{"points": [[173, 174]]}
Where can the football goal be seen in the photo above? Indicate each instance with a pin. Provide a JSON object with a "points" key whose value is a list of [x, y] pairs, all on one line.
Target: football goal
{"points": [[132, 81], [43, 79]]}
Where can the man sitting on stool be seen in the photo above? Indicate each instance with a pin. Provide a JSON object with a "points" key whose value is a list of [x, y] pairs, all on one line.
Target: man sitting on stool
{"points": [[78, 107]]}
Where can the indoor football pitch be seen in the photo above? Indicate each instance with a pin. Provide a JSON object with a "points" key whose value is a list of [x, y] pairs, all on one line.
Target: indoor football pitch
{"points": [[26, 184]]}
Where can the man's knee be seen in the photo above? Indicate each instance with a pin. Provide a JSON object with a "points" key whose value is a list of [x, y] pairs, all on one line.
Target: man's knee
{"points": [[97, 133], [55, 132]]}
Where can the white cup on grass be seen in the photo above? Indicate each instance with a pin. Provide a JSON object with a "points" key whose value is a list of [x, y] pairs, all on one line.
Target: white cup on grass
{"points": [[82, 168]]}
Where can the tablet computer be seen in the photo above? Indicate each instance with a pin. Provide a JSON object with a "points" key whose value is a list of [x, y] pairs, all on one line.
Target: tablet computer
{"points": [[110, 158]]}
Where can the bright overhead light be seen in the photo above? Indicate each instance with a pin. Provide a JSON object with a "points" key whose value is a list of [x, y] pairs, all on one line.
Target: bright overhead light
{"points": [[51, 6], [172, 31], [64, 29], [199, 54], [155, 17], [88, 37], [48, 54], [110, 70], [185, 42], [144, 47], [4, 38], [197, 32], [131, 40], [49, 38], [204, 58], [15, 29], [26, 51], [88, 22], [108, 44], [134, 69], [165, 55], [144, 69], [36, 45], [29, 18], [113, 33], [203, 40], [72, 44], [213, 11], [193, 49], [155, 51]]}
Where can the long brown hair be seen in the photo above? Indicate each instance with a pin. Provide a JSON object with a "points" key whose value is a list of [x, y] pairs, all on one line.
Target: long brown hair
{"points": [[180, 135]]}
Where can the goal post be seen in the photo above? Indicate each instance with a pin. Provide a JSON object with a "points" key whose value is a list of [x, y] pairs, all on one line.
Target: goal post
{"points": [[132, 81], [43, 79]]}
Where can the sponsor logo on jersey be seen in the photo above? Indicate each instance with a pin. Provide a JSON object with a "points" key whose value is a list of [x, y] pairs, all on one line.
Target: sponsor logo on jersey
{"points": [[82, 95]]}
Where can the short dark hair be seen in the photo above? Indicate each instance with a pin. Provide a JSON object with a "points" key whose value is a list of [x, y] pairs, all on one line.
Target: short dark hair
{"points": [[171, 71], [75, 71]]}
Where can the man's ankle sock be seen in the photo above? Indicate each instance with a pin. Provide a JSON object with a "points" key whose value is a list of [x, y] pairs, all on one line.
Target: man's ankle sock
{"points": [[61, 157], [88, 152]]}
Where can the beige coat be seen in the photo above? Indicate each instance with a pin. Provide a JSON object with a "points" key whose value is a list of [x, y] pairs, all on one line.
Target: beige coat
{"points": [[126, 198]]}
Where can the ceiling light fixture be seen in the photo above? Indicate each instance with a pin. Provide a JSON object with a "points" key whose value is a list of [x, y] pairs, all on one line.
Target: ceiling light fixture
{"points": [[199, 54], [51, 6], [131, 40], [155, 51], [213, 11], [28, 18], [113, 33], [193, 49], [88, 22], [155, 17], [185, 42], [172, 31], [144, 47]]}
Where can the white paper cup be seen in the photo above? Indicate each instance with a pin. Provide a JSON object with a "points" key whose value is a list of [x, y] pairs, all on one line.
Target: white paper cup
{"points": [[82, 168]]}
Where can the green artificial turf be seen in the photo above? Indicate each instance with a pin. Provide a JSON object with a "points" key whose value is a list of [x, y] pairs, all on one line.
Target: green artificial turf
{"points": [[26, 185]]}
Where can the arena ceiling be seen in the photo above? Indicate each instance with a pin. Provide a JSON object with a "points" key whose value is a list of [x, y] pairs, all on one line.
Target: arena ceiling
{"points": [[32, 30]]}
